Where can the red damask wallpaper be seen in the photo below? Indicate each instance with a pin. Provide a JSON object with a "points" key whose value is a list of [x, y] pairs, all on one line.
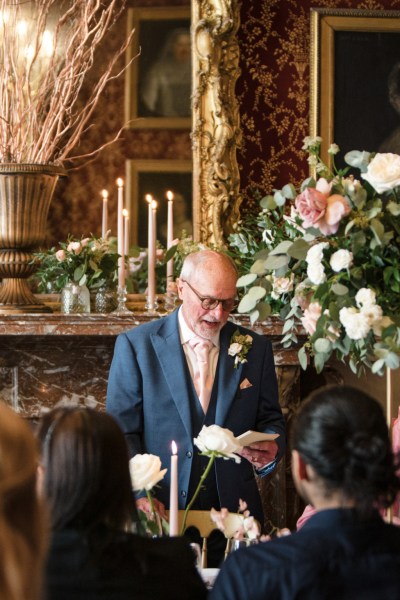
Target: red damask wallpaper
{"points": [[273, 91]]}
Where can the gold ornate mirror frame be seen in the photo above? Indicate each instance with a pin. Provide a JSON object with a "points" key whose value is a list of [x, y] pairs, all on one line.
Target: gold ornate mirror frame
{"points": [[216, 127]]}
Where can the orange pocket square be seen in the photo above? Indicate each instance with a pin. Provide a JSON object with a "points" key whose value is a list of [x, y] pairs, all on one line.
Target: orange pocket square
{"points": [[245, 384]]}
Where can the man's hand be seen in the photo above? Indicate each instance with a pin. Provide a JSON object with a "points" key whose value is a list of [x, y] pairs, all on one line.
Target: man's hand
{"points": [[260, 454], [144, 505]]}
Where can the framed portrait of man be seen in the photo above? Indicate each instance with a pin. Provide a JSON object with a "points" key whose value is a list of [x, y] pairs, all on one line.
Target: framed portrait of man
{"points": [[156, 178], [159, 78], [355, 80]]}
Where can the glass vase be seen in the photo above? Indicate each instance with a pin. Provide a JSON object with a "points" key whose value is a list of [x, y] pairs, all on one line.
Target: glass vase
{"points": [[75, 299], [105, 300]]}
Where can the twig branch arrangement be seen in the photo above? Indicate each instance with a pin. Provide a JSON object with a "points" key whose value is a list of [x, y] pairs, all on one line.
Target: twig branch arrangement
{"points": [[46, 51]]}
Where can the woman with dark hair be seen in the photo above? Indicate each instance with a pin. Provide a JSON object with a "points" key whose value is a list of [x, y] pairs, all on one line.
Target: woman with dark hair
{"points": [[94, 555], [342, 464], [23, 523]]}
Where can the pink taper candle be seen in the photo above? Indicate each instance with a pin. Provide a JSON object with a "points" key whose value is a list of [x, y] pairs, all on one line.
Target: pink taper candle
{"points": [[126, 231], [170, 234], [104, 225], [120, 234], [151, 254], [173, 493]]}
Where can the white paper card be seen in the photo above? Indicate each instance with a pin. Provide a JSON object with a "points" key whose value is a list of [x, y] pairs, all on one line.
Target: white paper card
{"points": [[251, 437]]}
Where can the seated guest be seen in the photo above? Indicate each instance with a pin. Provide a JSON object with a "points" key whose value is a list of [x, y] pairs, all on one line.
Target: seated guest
{"points": [[342, 464], [22, 519], [93, 554]]}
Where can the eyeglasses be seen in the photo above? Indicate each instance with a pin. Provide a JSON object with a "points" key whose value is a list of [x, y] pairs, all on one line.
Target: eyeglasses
{"points": [[211, 303]]}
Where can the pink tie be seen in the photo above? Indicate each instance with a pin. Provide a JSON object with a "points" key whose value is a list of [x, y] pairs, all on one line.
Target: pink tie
{"points": [[202, 377]]}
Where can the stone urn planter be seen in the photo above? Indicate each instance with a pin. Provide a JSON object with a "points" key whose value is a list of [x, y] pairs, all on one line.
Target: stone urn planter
{"points": [[26, 191]]}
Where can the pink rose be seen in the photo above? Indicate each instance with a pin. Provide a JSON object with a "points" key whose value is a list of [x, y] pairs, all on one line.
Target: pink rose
{"points": [[74, 247], [60, 255], [85, 242], [311, 316], [337, 207], [311, 205]]}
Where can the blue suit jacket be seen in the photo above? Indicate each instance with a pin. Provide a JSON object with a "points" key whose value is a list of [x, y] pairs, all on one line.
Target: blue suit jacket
{"points": [[150, 391]]}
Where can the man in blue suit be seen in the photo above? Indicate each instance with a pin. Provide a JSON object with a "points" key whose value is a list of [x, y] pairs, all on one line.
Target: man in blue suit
{"points": [[152, 394]]}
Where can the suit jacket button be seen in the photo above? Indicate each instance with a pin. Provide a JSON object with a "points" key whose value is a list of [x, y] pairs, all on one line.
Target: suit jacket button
{"points": [[189, 454], [183, 493]]}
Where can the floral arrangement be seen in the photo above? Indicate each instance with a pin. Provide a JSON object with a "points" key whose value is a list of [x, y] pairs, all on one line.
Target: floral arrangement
{"points": [[325, 259], [90, 261], [239, 347]]}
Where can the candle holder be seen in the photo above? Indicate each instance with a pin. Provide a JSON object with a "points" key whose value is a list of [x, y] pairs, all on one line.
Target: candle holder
{"points": [[121, 308], [151, 307], [170, 300]]}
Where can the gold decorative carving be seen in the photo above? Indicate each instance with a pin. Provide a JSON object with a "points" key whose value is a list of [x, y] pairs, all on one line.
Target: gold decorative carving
{"points": [[216, 130]]}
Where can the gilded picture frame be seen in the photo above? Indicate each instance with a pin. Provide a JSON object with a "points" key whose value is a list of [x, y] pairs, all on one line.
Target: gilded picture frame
{"points": [[158, 82], [156, 177], [355, 74]]}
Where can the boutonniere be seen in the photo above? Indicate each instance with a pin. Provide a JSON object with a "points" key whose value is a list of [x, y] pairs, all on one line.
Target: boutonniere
{"points": [[240, 346]]}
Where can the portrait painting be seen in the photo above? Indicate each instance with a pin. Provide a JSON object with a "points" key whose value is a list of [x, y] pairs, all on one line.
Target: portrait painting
{"points": [[356, 80], [159, 79], [157, 177]]}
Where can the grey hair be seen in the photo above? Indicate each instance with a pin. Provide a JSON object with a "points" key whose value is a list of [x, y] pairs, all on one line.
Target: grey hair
{"points": [[203, 259]]}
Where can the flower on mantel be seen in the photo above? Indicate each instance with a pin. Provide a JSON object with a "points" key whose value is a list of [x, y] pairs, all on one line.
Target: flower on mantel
{"points": [[249, 528], [327, 257], [90, 261]]}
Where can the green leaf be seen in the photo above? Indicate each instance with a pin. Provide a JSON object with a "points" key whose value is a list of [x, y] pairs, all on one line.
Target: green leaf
{"points": [[257, 292], [289, 191], [79, 272], [339, 289], [247, 304], [279, 198], [258, 268], [268, 202], [322, 345], [281, 248], [298, 249], [392, 361], [264, 311], [302, 354], [276, 262], [246, 280]]}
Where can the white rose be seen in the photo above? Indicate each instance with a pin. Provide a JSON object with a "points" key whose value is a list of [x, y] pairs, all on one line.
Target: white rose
{"points": [[383, 172], [316, 252], [217, 439], [145, 470], [365, 297], [373, 313], [316, 274], [234, 349], [355, 323], [342, 259]]}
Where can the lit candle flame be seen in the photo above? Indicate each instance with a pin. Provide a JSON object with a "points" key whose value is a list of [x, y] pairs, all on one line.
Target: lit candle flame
{"points": [[154, 205], [104, 194], [125, 212], [120, 182], [148, 198], [174, 448], [170, 195]]}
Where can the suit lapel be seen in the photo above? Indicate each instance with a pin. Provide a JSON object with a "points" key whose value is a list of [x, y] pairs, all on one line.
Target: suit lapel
{"points": [[228, 377], [167, 345]]}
